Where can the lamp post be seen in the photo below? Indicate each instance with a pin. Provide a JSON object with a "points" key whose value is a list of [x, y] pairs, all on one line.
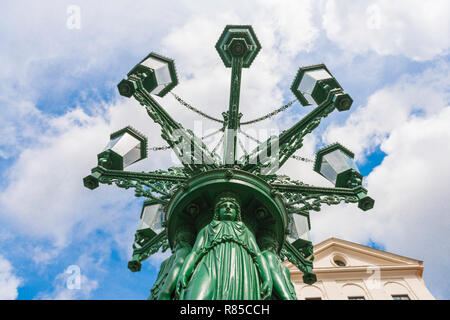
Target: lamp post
{"points": [[234, 208]]}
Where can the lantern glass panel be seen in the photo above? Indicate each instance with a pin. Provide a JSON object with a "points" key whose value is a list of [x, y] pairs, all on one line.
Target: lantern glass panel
{"points": [[162, 73], [334, 163], [298, 228], [126, 146], [309, 81], [152, 217]]}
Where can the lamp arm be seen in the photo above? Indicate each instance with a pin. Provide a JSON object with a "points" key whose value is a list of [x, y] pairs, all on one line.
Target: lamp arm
{"points": [[160, 184], [303, 198], [289, 141], [150, 247], [295, 257], [181, 140]]}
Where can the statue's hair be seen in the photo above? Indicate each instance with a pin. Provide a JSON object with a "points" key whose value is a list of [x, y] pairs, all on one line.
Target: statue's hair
{"points": [[227, 197]]}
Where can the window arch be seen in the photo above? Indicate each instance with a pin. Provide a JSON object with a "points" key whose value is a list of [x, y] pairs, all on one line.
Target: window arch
{"points": [[353, 291]]}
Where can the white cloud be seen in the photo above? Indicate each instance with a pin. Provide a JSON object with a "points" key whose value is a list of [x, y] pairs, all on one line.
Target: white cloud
{"points": [[368, 126], [409, 121], [417, 29], [45, 196], [9, 282]]}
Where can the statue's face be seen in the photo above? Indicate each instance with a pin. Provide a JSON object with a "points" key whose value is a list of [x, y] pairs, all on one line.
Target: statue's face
{"points": [[227, 211]]}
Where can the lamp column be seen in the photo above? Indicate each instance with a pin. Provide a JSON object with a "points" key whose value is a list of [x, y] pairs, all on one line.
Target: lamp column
{"points": [[237, 47]]}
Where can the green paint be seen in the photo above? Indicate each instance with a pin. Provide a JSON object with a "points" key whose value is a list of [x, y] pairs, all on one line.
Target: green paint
{"points": [[228, 222]]}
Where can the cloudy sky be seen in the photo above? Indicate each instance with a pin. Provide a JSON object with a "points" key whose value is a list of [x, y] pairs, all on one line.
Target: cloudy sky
{"points": [[59, 103]]}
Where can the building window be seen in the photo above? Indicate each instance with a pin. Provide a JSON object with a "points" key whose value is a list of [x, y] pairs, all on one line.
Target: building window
{"points": [[357, 298], [339, 261], [401, 297], [314, 298]]}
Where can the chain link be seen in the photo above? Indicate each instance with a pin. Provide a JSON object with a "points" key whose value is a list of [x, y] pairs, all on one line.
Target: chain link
{"points": [[187, 105], [301, 158], [159, 148], [259, 142], [269, 115]]}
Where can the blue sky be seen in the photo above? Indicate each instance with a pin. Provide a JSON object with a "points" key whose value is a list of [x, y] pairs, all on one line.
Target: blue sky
{"points": [[59, 103]]}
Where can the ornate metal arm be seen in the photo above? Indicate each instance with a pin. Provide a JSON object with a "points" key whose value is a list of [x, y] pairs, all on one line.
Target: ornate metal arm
{"points": [[297, 258], [144, 249], [300, 197], [289, 140], [190, 149], [157, 185]]}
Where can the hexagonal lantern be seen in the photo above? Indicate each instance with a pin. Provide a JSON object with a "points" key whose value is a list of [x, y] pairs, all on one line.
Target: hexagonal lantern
{"points": [[157, 74], [125, 147], [151, 221], [336, 164], [299, 226], [238, 41], [312, 85]]}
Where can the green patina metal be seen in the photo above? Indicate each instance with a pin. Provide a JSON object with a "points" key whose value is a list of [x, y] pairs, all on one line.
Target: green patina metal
{"points": [[238, 211]]}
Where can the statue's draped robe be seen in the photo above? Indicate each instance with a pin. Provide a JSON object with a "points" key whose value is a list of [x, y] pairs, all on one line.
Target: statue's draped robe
{"points": [[226, 268]]}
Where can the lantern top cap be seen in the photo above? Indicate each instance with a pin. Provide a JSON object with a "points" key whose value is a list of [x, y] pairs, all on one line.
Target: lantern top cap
{"points": [[136, 134], [172, 70], [299, 77], [328, 149], [241, 36]]}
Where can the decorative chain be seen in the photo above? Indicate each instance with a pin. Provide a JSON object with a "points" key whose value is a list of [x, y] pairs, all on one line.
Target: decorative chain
{"points": [[187, 105], [240, 143], [159, 148], [257, 141], [301, 158], [269, 115]]}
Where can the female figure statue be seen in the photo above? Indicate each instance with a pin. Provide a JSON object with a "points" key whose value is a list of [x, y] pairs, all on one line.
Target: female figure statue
{"points": [[164, 287], [282, 285], [225, 262], [183, 246]]}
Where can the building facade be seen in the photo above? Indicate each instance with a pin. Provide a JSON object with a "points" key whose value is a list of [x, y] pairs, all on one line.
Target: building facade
{"points": [[347, 271]]}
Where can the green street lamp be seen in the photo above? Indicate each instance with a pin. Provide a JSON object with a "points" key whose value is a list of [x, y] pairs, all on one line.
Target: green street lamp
{"points": [[299, 227], [125, 147], [335, 163], [152, 218], [313, 84], [223, 208], [157, 73]]}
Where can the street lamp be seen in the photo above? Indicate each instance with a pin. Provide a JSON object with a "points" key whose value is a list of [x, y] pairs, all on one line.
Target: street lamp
{"points": [[125, 147], [152, 219], [335, 163], [313, 84], [155, 73], [189, 201], [299, 226]]}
